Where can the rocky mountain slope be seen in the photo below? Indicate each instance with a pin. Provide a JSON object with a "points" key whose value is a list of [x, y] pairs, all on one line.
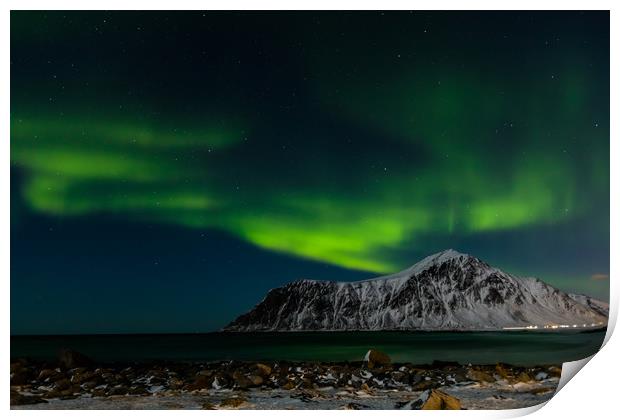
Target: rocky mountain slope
{"points": [[445, 291]]}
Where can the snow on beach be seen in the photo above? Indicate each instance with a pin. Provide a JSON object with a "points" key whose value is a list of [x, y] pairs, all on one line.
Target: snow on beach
{"points": [[472, 396]]}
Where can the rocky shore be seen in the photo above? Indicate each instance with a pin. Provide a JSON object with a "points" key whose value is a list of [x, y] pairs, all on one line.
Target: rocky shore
{"points": [[76, 382]]}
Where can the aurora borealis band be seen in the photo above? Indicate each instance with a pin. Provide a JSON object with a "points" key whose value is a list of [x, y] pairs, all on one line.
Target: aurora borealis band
{"points": [[168, 168]]}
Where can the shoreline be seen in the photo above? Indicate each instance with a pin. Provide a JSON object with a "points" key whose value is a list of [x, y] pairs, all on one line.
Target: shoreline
{"points": [[76, 382], [579, 330]]}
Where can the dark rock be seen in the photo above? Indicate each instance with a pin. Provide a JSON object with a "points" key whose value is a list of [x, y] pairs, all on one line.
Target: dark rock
{"points": [[100, 392], [48, 373], [400, 377], [221, 381], [59, 393], [18, 365], [70, 359], [233, 402], [555, 371], [21, 376], [354, 406], [460, 375], [19, 399], [415, 378], [81, 375], [308, 383], [424, 385], [118, 390], [78, 371], [176, 383], [201, 382], [208, 406], [62, 384], [137, 390], [89, 385]]}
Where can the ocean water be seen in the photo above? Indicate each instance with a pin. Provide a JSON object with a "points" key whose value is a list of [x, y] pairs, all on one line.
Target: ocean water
{"points": [[515, 347]]}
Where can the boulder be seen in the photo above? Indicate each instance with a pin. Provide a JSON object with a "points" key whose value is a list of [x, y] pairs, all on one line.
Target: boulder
{"points": [[424, 385], [89, 385], [432, 400], [99, 392], [62, 384], [175, 383], [241, 381], [20, 377], [401, 377], [503, 370], [118, 390], [263, 370], [81, 376], [70, 359], [365, 388], [288, 386], [439, 400], [136, 390], [19, 399], [201, 382], [479, 376], [221, 381], [555, 371], [524, 377], [18, 364], [375, 358], [256, 380], [47, 373]]}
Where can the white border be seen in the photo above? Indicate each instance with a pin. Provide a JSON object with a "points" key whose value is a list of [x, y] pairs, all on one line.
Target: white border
{"points": [[591, 395]]}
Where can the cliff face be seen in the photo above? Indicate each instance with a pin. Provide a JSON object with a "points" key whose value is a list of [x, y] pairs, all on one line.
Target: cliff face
{"points": [[445, 291]]}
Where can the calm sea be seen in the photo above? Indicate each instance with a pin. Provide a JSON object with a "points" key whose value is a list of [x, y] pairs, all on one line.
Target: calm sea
{"points": [[522, 348]]}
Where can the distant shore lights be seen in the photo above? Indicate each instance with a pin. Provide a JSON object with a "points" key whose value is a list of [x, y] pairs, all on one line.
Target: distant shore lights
{"points": [[555, 326]]}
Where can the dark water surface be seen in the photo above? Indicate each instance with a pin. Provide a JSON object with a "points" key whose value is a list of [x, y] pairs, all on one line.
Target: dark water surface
{"points": [[521, 348]]}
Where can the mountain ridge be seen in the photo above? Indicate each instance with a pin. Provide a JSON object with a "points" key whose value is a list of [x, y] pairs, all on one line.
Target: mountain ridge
{"points": [[448, 290]]}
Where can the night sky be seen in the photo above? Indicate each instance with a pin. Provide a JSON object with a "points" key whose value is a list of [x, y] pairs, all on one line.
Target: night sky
{"points": [[169, 168]]}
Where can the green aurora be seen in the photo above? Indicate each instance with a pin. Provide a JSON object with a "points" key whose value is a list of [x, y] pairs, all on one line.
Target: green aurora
{"points": [[394, 146]]}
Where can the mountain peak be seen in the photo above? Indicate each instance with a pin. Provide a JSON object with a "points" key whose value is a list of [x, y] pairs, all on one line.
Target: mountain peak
{"points": [[447, 254], [436, 259]]}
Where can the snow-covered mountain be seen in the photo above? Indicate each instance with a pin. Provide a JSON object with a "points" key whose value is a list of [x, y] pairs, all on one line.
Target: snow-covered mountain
{"points": [[445, 291]]}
